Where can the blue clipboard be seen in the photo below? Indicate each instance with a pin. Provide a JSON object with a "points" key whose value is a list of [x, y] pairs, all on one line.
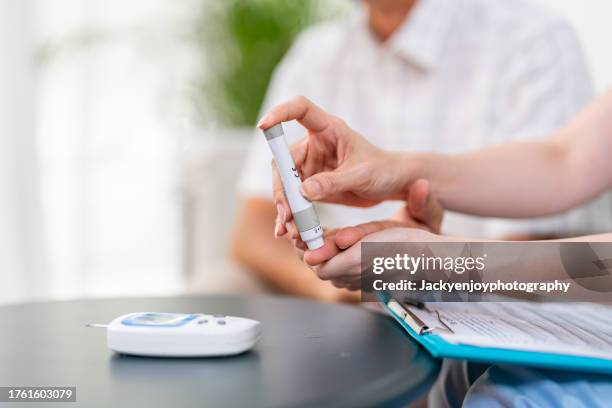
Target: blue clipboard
{"points": [[440, 348]]}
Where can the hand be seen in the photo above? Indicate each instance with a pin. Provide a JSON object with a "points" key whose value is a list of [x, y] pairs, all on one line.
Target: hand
{"points": [[422, 211], [338, 165], [344, 269]]}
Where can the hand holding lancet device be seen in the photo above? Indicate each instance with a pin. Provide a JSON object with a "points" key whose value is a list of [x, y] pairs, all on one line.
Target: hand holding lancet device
{"points": [[304, 214]]}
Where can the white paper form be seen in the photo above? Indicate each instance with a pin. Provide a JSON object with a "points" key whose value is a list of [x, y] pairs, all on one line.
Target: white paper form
{"points": [[583, 329]]}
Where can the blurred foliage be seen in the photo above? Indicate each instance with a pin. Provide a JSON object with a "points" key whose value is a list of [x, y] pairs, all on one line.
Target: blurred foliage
{"points": [[237, 43], [241, 42]]}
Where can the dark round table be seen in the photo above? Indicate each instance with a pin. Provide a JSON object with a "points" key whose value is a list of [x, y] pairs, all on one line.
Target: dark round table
{"points": [[310, 354]]}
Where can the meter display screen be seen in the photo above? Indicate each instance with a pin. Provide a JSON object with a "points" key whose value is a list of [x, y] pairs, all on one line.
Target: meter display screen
{"points": [[159, 319]]}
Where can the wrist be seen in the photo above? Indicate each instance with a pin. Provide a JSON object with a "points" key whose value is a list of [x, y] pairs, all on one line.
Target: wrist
{"points": [[409, 167]]}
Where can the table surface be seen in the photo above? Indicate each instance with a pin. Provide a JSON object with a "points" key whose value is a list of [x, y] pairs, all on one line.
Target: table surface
{"points": [[310, 354]]}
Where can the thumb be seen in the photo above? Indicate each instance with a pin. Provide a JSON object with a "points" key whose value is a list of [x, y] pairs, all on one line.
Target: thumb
{"points": [[325, 184], [418, 197], [423, 206]]}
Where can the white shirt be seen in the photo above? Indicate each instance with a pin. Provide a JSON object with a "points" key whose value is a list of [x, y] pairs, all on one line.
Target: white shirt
{"points": [[457, 75]]}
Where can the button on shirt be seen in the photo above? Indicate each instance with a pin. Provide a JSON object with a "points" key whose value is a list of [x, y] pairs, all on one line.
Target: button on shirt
{"points": [[457, 75]]}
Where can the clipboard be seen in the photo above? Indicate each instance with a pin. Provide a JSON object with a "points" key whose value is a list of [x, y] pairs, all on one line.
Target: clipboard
{"points": [[438, 347]]}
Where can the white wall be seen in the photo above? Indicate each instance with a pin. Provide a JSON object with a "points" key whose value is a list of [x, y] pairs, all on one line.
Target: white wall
{"points": [[89, 193], [110, 188], [592, 20], [21, 252]]}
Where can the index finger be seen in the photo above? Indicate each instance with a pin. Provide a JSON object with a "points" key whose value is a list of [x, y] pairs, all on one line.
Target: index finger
{"points": [[301, 109], [323, 254], [349, 236]]}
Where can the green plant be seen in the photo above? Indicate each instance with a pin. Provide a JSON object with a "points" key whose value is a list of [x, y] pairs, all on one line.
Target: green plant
{"points": [[241, 42]]}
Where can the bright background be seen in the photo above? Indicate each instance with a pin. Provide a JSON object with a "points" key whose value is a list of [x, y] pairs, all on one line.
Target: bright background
{"points": [[592, 22], [113, 181]]}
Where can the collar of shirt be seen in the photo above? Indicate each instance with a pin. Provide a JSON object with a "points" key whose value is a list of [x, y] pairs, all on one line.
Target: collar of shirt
{"points": [[421, 37]]}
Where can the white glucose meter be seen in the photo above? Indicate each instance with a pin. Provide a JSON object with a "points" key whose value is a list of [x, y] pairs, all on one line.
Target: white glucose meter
{"points": [[181, 335]]}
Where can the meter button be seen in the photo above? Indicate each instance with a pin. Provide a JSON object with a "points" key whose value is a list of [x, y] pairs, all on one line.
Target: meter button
{"points": [[203, 321], [221, 322]]}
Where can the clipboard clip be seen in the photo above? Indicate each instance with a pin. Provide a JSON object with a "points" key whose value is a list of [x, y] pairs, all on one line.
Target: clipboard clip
{"points": [[412, 320], [421, 305], [442, 321]]}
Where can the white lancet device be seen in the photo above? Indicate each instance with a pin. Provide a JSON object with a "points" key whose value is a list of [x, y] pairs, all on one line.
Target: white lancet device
{"points": [[304, 214], [180, 335]]}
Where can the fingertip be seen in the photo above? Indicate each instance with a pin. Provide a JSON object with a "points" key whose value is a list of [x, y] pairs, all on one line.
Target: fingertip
{"points": [[299, 244], [282, 230], [423, 188], [262, 122], [418, 196], [292, 230], [311, 189], [320, 255]]}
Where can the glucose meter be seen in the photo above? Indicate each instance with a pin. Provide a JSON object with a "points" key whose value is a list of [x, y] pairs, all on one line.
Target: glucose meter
{"points": [[304, 214], [181, 335]]}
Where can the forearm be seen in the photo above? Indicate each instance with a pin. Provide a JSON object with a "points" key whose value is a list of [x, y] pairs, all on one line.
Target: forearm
{"points": [[273, 260], [525, 179], [278, 265], [512, 180]]}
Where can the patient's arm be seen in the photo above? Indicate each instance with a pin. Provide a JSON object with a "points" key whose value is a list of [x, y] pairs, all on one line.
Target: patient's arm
{"points": [[275, 260], [525, 179]]}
